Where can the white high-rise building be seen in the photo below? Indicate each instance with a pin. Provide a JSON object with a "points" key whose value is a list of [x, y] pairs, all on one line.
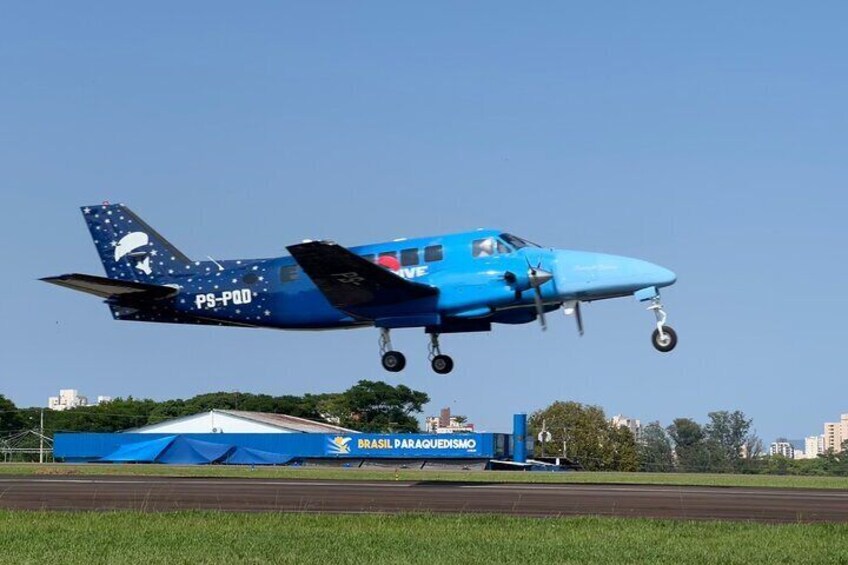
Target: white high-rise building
{"points": [[71, 398], [783, 448], [813, 446], [68, 398], [632, 424]]}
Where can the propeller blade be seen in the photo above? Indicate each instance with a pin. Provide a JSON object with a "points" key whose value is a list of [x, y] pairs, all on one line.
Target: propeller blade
{"points": [[540, 309], [538, 277], [578, 314]]}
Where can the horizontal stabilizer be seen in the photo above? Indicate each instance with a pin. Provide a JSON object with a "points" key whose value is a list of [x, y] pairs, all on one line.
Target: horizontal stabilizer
{"points": [[113, 288], [349, 281]]}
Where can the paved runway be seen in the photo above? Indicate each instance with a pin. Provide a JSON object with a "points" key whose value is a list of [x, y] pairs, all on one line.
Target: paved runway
{"points": [[263, 495]]}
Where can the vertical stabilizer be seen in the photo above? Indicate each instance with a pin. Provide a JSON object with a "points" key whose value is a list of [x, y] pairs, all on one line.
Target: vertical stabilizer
{"points": [[129, 248]]}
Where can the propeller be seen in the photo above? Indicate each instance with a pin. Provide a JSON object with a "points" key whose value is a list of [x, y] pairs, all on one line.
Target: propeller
{"points": [[538, 277], [573, 308]]}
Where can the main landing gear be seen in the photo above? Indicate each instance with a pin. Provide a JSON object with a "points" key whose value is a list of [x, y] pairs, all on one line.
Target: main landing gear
{"points": [[395, 361], [664, 337], [441, 364]]}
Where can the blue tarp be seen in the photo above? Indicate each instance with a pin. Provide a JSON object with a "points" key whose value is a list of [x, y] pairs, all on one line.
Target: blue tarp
{"points": [[140, 452], [179, 450], [248, 456], [184, 451]]}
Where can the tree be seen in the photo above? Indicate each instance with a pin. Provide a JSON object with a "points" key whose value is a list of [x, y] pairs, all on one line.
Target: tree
{"points": [[655, 452], [10, 418], [726, 433], [370, 406], [689, 446], [588, 437]]}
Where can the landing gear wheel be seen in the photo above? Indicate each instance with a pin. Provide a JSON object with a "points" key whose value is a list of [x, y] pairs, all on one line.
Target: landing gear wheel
{"points": [[394, 361], [665, 342], [442, 364]]}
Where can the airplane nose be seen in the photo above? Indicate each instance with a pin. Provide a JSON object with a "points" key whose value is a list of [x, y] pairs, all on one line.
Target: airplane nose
{"points": [[663, 276]]}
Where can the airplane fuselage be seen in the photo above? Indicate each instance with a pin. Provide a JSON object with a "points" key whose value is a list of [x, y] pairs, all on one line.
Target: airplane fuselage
{"points": [[275, 293], [462, 282]]}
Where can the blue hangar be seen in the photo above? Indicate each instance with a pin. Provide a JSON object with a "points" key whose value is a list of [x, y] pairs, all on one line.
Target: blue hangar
{"points": [[253, 438]]}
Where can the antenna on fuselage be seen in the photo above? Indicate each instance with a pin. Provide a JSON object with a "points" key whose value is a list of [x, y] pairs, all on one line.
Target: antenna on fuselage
{"points": [[220, 267]]}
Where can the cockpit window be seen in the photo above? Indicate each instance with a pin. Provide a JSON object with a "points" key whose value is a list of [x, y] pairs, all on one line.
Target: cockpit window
{"points": [[516, 241], [488, 247]]}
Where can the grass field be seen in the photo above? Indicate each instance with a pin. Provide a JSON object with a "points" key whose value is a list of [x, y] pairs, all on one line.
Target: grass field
{"points": [[195, 537], [693, 479]]}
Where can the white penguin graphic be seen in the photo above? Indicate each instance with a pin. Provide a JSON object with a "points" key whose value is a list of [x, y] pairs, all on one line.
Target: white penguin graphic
{"points": [[128, 244]]}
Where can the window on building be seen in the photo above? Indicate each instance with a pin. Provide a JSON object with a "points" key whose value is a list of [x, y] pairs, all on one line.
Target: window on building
{"points": [[288, 273], [409, 257], [433, 253]]}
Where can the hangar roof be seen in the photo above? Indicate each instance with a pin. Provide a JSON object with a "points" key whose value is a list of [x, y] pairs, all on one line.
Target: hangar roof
{"points": [[239, 421]]}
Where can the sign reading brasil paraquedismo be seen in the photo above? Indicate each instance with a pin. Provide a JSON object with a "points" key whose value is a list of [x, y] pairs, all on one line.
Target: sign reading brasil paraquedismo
{"points": [[408, 445]]}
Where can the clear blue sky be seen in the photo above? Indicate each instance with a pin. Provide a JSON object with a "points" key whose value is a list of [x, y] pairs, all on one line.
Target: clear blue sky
{"points": [[709, 138]]}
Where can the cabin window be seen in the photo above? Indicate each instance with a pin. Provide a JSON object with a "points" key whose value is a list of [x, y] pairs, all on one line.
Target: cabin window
{"points": [[409, 257], [503, 248], [288, 273], [370, 257], [250, 278], [433, 253]]}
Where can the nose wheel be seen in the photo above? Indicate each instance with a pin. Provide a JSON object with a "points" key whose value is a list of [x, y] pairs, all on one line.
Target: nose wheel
{"points": [[441, 364], [664, 338], [393, 361]]}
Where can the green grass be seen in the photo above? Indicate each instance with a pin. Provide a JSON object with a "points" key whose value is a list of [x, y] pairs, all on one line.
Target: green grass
{"points": [[208, 537], [693, 479]]}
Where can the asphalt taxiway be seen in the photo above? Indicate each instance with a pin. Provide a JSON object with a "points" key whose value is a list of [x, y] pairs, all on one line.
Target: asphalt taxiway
{"points": [[269, 495]]}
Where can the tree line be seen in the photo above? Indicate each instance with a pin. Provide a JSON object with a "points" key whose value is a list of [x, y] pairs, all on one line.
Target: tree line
{"points": [[368, 406], [726, 443]]}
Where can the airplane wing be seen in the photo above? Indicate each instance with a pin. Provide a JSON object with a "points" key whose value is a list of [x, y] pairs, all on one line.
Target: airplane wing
{"points": [[348, 280], [113, 288]]}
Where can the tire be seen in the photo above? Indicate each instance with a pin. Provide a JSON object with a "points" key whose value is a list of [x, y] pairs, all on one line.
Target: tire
{"points": [[666, 345], [394, 361], [442, 364]]}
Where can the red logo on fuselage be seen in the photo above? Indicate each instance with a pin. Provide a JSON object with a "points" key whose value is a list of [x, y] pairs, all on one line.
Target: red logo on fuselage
{"points": [[389, 262]]}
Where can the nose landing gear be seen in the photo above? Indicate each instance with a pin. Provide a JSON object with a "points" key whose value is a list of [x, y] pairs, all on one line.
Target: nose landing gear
{"points": [[441, 364], [664, 338], [393, 361]]}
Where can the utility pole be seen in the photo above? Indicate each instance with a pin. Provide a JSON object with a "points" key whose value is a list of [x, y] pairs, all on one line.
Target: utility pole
{"points": [[41, 439]]}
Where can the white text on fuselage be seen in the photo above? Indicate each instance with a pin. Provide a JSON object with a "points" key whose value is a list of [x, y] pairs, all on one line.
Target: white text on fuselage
{"points": [[213, 300]]}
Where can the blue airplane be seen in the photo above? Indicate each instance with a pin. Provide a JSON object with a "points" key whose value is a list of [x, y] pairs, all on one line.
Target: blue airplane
{"points": [[462, 282]]}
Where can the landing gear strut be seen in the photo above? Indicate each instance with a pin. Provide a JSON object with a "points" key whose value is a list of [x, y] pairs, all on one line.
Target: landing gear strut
{"points": [[664, 337], [442, 364], [393, 361]]}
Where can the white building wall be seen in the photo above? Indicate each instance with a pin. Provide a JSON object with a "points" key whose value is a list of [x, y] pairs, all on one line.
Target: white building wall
{"points": [[211, 422]]}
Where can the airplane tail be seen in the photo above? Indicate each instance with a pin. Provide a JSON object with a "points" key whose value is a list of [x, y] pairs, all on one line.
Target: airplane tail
{"points": [[129, 248]]}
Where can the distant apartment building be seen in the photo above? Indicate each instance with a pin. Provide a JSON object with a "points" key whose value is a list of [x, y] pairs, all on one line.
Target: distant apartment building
{"points": [[632, 424], [783, 448], [445, 423], [813, 447], [835, 433], [71, 398]]}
